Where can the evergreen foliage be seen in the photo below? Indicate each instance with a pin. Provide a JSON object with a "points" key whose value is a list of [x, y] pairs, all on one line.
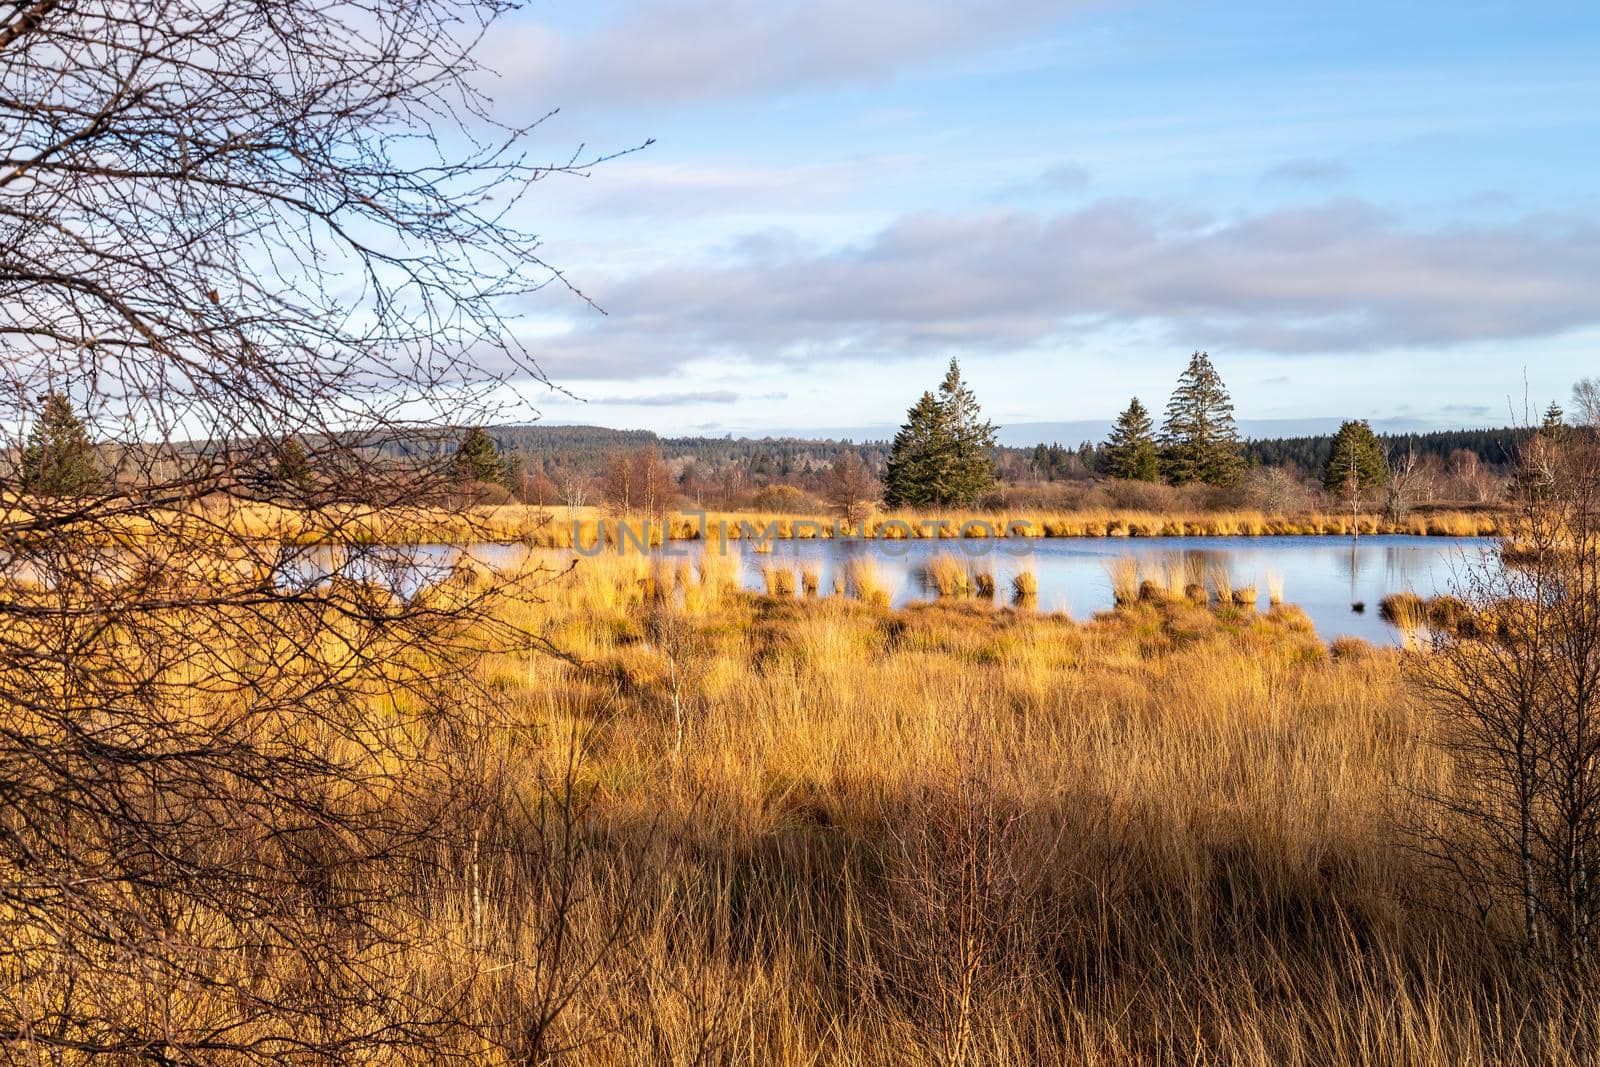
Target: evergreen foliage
{"points": [[972, 440], [478, 459], [1130, 452], [919, 458], [58, 458], [294, 465], [1200, 442], [943, 454], [1554, 427], [1356, 452], [1493, 447]]}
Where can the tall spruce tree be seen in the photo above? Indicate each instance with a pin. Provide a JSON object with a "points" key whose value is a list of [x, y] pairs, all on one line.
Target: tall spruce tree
{"points": [[1199, 440], [478, 459], [1554, 427], [919, 458], [972, 441], [1130, 451], [942, 454], [58, 458], [1357, 454]]}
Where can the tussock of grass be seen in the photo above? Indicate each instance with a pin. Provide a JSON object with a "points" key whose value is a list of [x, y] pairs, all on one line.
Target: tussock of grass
{"points": [[779, 580], [983, 584], [864, 581], [1124, 573], [1406, 610], [947, 575], [1222, 583], [1025, 589]]}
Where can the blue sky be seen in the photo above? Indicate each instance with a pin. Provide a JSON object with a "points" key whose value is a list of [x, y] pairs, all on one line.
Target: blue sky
{"points": [[1360, 210]]}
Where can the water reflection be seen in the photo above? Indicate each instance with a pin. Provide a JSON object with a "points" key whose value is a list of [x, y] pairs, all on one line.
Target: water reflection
{"points": [[1324, 576]]}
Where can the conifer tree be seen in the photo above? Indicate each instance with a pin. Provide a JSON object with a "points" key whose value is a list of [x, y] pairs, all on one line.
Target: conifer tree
{"points": [[294, 465], [58, 458], [1200, 442], [919, 458], [1130, 451], [1357, 454], [478, 459], [942, 454], [1554, 427], [972, 441]]}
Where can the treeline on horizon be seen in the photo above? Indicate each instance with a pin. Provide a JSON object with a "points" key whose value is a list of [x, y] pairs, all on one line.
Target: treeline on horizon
{"points": [[587, 448]]}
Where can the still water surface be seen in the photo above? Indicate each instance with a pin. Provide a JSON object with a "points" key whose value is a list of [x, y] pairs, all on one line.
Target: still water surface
{"points": [[1325, 576]]}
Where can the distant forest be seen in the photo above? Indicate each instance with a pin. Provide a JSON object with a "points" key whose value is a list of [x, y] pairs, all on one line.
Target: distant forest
{"points": [[1497, 448], [586, 449]]}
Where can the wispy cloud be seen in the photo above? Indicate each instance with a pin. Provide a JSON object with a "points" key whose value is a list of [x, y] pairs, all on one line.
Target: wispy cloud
{"points": [[696, 49], [1340, 277], [1308, 172], [683, 399], [641, 189]]}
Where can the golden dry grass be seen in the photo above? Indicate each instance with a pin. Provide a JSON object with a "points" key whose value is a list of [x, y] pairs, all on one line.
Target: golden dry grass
{"points": [[565, 528], [836, 833], [865, 580], [1190, 817], [780, 581], [947, 575]]}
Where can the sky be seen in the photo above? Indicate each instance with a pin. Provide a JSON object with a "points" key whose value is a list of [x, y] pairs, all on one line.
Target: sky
{"points": [[1360, 210]]}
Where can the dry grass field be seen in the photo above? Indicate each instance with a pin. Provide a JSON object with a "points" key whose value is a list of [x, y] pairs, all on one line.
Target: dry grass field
{"points": [[687, 824], [814, 830], [588, 527]]}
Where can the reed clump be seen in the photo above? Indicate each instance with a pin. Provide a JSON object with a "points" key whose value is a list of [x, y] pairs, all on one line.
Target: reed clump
{"points": [[946, 575], [864, 580], [1404, 609], [983, 584], [1025, 589], [780, 581], [1451, 615], [1124, 580]]}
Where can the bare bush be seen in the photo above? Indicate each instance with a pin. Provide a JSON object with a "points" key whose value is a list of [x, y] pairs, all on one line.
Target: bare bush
{"points": [[1517, 694], [230, 226], [957, 910]]}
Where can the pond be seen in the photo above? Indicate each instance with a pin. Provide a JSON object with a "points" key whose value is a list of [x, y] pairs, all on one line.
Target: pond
{"points": [[1325, 576]]}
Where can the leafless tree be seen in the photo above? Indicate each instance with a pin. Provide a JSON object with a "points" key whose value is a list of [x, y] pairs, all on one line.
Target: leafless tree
{"points": [[574, 488], [637, 481], [1516, 691], [1408, 481], [225, 224], [851, 488], [1276, 489], [1586, 402], [956, 912]]}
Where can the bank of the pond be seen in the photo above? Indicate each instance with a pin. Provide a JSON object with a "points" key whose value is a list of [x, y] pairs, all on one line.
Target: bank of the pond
{"points": [[588, 527]]}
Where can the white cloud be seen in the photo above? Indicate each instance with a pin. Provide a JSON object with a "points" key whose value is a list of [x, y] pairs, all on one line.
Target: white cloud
{"points": [[697, 49], [1340, 277]]}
